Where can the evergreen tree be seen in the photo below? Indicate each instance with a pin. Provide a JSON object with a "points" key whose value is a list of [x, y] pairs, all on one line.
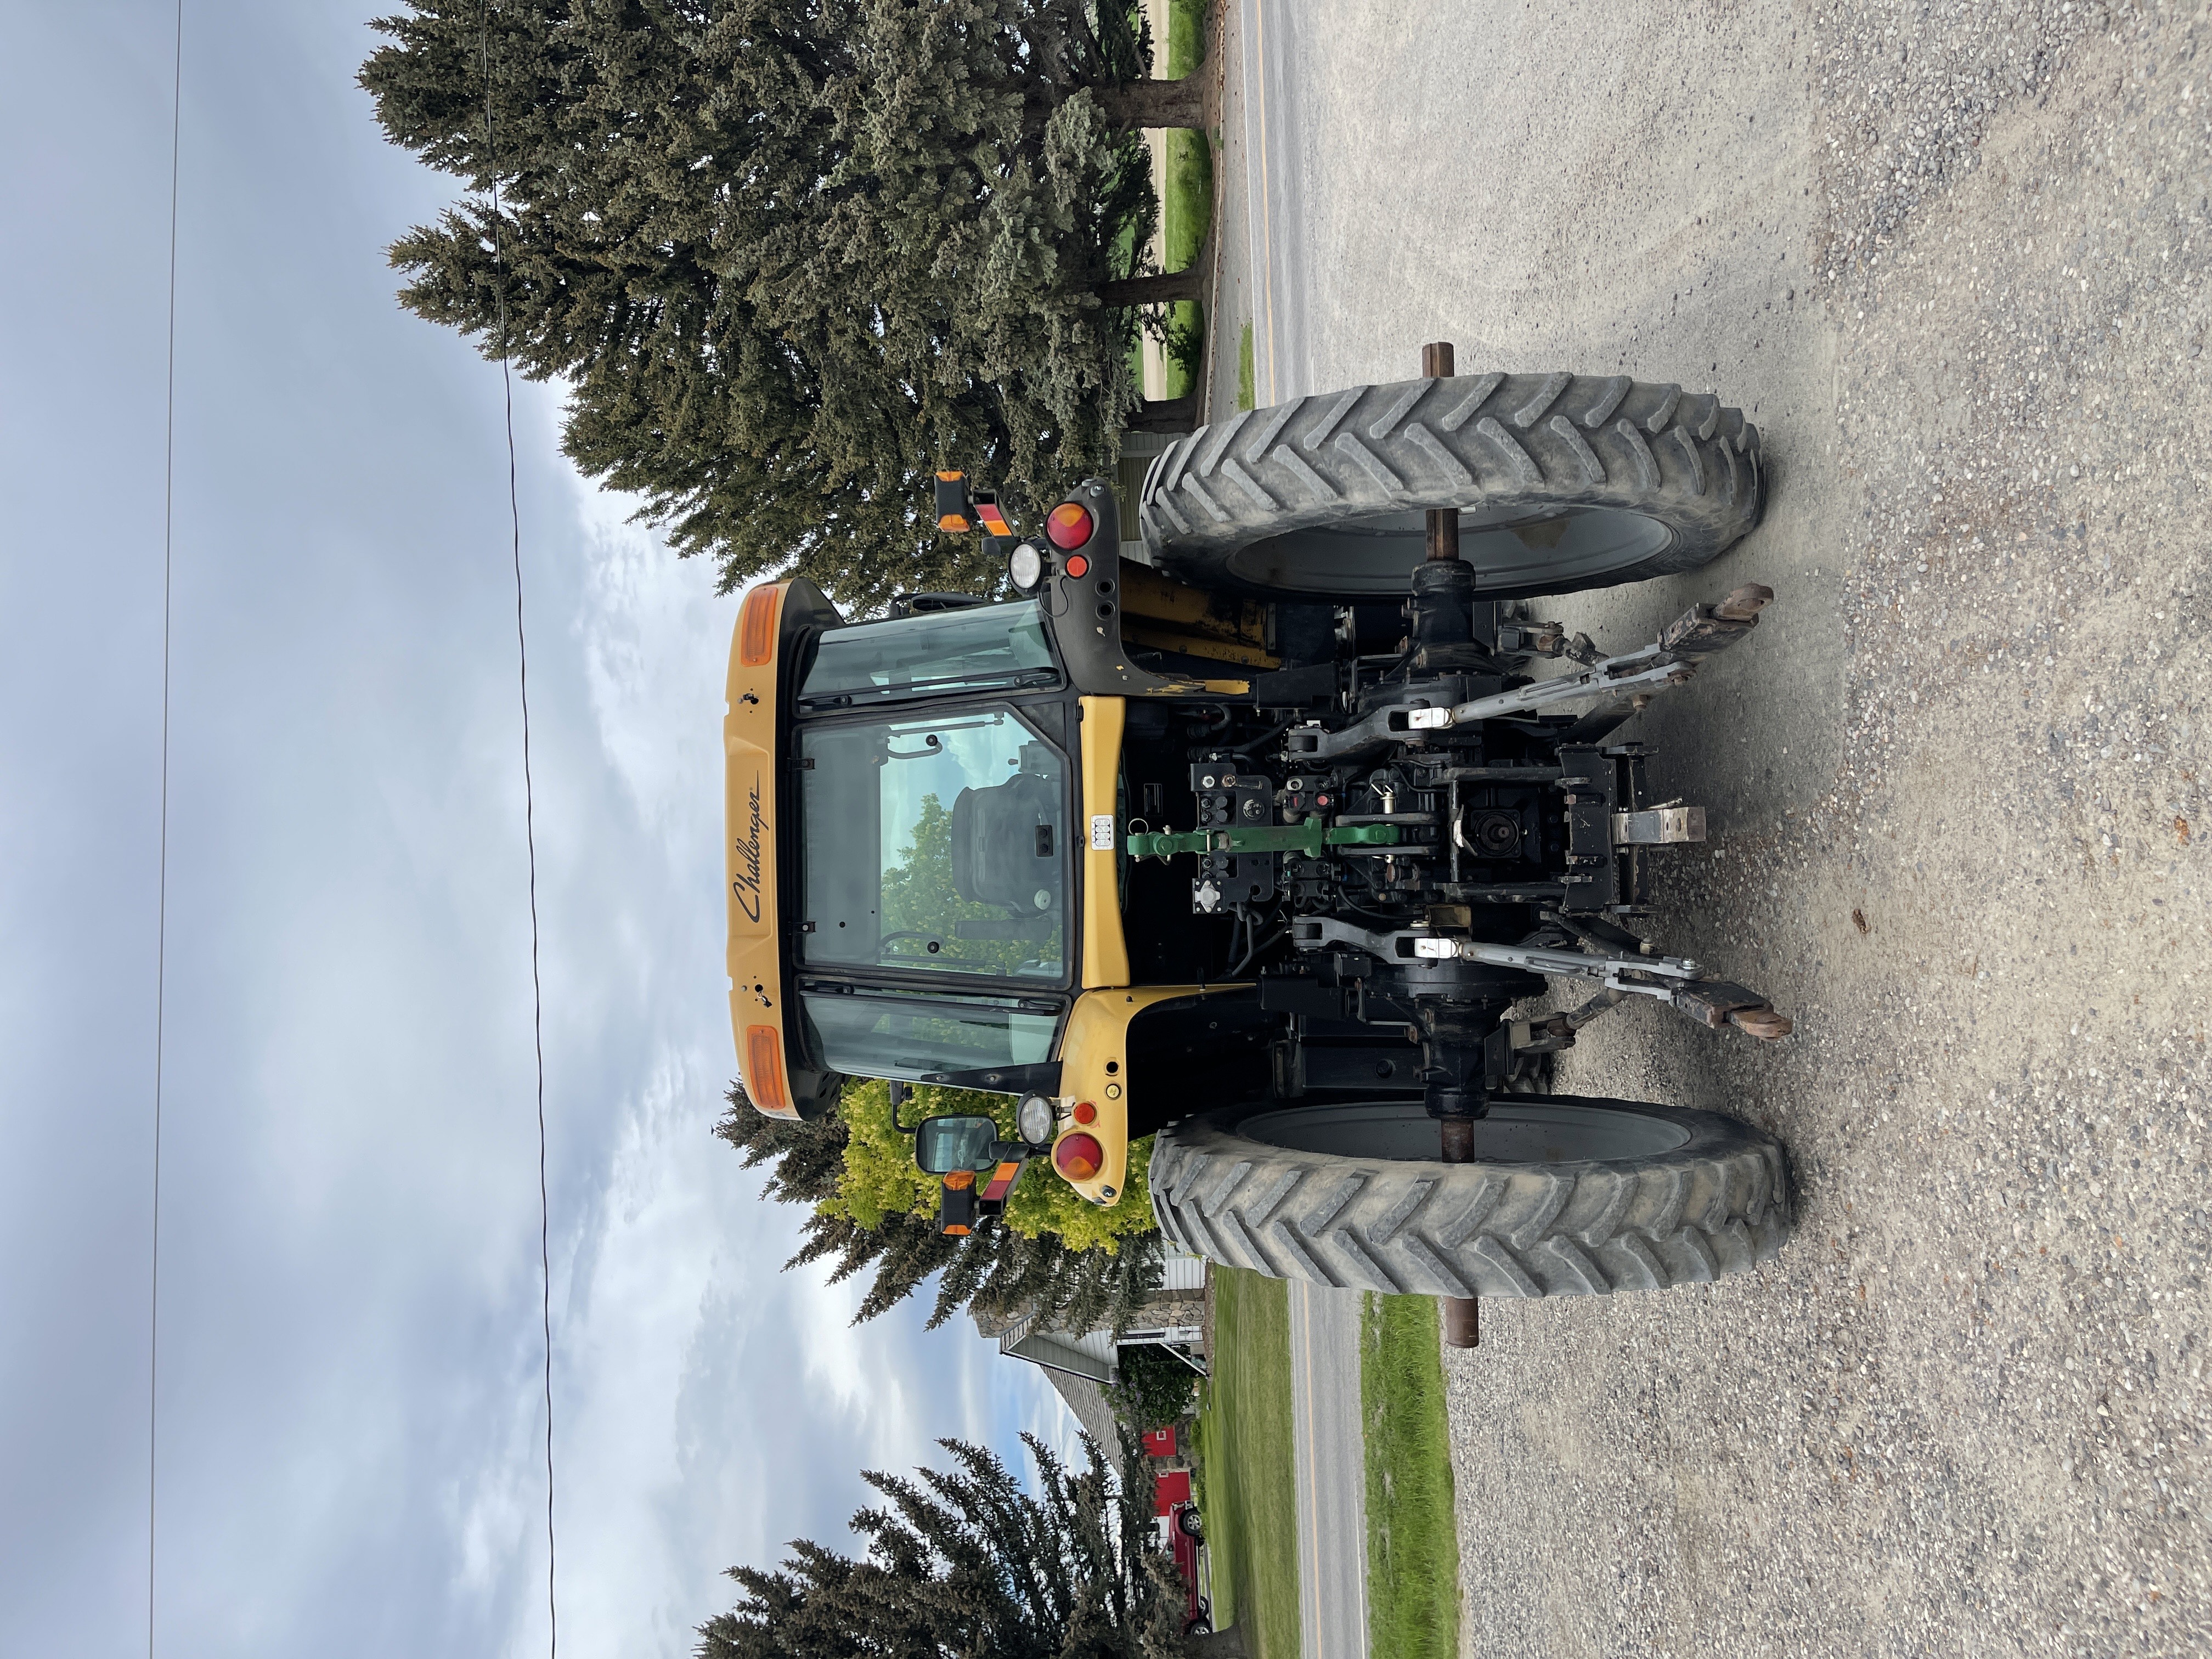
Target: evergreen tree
{"points": [[1155, 1389], [996, 1272], [963, 1563], [790, 255]]}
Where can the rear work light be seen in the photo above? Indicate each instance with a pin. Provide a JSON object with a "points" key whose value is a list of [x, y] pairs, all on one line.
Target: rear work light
{"points": [[1069, 526], [1078, 1156], [764, 1078], [756, 627]]}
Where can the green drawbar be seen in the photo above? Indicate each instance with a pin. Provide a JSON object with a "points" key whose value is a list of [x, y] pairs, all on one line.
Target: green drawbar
{"points": [[1309, 838]]}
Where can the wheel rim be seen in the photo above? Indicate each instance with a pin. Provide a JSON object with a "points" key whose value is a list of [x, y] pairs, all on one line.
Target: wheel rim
{"points": [[1510, 547], [1518, 1131]]}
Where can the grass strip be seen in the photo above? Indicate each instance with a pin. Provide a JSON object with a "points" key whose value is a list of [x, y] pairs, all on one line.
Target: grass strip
{"points": [[1245, 1487], [1186, 219], [1247, 398], [1186, 30], [1187, 214], [1413, 1541]]}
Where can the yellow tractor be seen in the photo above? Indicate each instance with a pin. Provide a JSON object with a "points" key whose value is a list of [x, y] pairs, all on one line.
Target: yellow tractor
{"points": [[1261, 832]]}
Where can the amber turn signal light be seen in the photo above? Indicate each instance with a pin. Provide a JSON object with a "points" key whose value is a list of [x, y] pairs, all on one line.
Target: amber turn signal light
{"points": [[764, 1078], [756, 626]]}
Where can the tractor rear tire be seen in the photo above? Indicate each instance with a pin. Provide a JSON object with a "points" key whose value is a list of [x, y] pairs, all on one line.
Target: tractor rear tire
{"points": [[1566, 1196], [1563, 482]]}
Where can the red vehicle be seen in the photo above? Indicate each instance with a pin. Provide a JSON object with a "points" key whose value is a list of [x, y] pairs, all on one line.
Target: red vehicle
{"points": [[1183, 1534]]}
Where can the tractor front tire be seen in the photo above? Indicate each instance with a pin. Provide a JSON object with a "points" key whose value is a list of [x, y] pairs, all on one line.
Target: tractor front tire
{"points": [[1562, 482], [1566, 1196]]}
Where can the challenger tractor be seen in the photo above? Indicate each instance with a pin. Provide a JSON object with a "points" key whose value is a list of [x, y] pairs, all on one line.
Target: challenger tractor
{"points": [[1283, 831]]}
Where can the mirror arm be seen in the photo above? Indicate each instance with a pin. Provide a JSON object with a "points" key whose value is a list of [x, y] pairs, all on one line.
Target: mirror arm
{"points": [[899, 1093]]}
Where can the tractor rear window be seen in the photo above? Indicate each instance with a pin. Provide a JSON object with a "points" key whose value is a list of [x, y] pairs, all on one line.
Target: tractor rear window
{"points": [[986, 647], [935, 843], [911, 1036]]}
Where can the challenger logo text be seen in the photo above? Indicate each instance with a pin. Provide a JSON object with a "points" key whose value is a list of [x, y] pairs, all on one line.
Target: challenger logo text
{"points": [[747, 884]]}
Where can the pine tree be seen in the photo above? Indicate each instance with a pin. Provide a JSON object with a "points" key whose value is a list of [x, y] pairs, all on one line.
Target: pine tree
{"points": [[963, 1563], [788, 255], [992, 1271]]}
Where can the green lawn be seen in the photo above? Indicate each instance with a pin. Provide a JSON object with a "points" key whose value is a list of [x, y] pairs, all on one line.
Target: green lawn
{"points": [[1413, 1543], [1186, 32], [1185, 217], [1187, 214], [1245, 1483]]}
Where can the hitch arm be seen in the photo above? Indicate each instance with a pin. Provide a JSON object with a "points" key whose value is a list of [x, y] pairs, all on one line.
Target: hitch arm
{"points": [[1670, 660], [1672, 980]]}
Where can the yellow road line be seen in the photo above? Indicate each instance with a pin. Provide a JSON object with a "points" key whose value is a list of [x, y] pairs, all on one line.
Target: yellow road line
{"points": [[1310, 1589], [1267, 207]]}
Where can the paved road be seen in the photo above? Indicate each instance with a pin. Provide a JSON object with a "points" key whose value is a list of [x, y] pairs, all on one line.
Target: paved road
{"points": [[1275, 40], [1265, 161], [1955, 268], [1332, 1472]]}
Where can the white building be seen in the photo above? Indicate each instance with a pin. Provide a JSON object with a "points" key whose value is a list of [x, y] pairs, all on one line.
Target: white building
{"points": [[1173, 1317]]}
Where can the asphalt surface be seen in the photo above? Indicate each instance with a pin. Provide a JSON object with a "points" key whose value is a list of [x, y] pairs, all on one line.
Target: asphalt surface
{"points": [[1264, 43], [1952, 260], [1275, 41], [1330, 1455]]}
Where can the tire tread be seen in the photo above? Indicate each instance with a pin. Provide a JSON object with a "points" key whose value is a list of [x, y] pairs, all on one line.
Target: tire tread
{"points": [[1718, 1206]]}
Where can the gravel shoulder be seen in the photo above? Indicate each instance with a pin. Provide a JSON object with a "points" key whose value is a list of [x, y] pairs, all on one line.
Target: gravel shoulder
{"points": [[1953, 262]]}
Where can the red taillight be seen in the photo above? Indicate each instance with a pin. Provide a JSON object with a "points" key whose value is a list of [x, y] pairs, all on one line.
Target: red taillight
{"points": [[1077, 566], [1069, 526], [1078, 1156], [1084, 1112], [764, 1078], [757, 627]]}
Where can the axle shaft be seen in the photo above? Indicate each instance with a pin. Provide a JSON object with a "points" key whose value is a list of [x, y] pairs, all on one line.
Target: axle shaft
{"points": [[1442, 521]]}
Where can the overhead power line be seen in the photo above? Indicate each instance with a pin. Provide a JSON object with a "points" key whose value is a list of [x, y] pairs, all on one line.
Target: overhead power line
{"points": [[161, 883], [530, 837]]}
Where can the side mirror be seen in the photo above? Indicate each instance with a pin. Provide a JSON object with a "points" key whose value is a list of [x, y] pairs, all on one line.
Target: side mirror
{"points": [[942, 1145]]}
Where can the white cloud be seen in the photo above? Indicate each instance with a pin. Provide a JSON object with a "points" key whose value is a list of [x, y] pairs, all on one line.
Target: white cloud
{"points": [[351, 1410], [712, 1407]]}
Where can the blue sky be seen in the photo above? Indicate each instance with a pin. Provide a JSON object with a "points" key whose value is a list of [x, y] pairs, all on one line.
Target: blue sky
{"points": [[348, 1390]]}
